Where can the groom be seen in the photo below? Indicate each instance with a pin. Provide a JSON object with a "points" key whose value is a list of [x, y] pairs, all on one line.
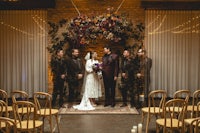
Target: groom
{"points": [[110, 68]]}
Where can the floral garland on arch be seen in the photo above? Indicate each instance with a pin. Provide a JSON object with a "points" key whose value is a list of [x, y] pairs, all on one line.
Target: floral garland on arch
{"points": [[82, 30]]}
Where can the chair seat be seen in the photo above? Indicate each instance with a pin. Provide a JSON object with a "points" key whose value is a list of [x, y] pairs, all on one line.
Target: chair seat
{"points": [[24, 110], [30, 124], [168, 123], [9, 108], [190, 108], [153, 110], [3, 124], [47, 112], [189, 120]]}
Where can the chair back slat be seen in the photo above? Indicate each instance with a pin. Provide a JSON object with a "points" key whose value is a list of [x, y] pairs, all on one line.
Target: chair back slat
{"points": [[182, 94], [18, 95]]}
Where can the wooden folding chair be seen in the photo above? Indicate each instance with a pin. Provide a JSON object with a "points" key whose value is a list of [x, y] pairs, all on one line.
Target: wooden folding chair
{"points": [[156, 101], [44, 109], [173, 119], [28, 122]]}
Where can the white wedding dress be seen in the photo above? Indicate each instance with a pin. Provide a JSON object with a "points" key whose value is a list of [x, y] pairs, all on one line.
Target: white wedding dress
{"points": [[91, 86]]}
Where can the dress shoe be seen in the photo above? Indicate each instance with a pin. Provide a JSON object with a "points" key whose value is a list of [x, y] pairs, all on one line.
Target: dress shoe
{"points": [[132, 106], [69, 105], [105, 105], [138, 106], [123, 105], [60, 105], [113, 105]]}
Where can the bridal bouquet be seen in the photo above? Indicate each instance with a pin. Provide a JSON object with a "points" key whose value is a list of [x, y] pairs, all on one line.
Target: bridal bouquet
{"points": [[97, 69]]}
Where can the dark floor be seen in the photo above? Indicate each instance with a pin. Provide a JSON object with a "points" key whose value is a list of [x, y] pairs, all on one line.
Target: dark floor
{"points": [[101, 123]]}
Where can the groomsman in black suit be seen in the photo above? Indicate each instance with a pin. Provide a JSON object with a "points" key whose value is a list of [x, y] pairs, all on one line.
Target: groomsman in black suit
{"points": [[128, 79], [75, 71], [144, 73], [110, 69], [58, 66]]}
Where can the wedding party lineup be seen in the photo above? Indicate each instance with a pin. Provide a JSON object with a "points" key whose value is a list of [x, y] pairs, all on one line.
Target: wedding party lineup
{"points": [[100, 66]]}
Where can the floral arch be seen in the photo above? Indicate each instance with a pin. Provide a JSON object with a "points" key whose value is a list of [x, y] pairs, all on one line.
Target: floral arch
{"points": [[82, 30]]}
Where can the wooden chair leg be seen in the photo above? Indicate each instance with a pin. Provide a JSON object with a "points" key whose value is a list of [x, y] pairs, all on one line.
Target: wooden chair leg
{"points": [[57, 123], [41, 131], [50, 122], [43, 123], [147, 124], [143, 117], [191, 129], [157, 128]]}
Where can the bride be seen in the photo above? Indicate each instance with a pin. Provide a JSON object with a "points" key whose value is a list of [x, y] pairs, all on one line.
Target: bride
{"points": [[92, 84]]}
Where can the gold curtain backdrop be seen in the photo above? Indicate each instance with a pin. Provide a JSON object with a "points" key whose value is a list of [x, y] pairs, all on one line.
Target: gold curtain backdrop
{"points": [[23, 54], [172, 40]]}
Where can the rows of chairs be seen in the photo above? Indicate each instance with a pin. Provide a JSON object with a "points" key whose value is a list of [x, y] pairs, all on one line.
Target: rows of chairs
{"points": [[175, 114], [24, 115]]}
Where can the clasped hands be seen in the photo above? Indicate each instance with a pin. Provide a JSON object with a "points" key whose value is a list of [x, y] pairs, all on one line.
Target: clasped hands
{"points": [[80, 76]]}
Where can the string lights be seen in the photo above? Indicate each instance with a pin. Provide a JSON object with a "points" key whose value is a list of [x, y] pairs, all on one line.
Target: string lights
{"points": [[189, 26], [36, 19], [15, 28]]}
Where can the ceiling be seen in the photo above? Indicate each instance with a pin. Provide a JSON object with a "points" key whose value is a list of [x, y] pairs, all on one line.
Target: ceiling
{"points": [[146, 4], [171, 4], [26, 4]]}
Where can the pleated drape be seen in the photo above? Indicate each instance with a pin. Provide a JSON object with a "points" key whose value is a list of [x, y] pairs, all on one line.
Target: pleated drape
{"points": [[172, 40], [23, 54]]}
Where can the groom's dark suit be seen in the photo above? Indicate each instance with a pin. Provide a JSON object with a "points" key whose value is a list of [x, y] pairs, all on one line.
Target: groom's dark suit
{"points": [[110, 69]]}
